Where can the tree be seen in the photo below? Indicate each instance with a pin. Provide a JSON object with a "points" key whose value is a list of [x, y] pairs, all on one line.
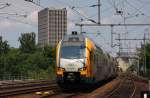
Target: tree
{"points": [[49, 52], [27, 42], [142, 58], [4, 46], [30, 62]]}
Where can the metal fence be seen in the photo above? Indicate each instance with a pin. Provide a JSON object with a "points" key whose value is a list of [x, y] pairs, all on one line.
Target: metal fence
{"points": [[23, 77], [12, 77]]}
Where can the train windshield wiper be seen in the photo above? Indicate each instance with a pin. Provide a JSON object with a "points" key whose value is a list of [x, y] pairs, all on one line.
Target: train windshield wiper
{"points": [[70, 58]]}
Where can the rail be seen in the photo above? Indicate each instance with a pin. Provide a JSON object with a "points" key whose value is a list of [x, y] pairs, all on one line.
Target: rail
{"points": [[126, 89], [28, 87]]}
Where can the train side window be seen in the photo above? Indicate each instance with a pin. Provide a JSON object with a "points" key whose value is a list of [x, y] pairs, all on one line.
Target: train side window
{"points": [[94, 59], [101, 60], [92, 55], [98, 60], [105, 62]]}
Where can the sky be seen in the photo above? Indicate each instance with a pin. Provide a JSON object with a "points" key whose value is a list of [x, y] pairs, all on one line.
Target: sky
{"points": [[21, 17]]}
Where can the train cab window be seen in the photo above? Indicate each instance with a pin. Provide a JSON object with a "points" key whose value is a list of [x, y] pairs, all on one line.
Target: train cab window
{"points": [[72, 52]]}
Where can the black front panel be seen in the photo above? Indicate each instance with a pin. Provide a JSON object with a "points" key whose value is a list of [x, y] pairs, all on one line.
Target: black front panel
{"points": [[73, 77]]}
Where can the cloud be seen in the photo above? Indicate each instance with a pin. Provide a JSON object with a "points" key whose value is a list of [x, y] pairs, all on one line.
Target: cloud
{"points": [[19, 22], [33, 17], [4, 23], [74, 17], [111, 19], [70, 25], [12, 28], [70, 13]]}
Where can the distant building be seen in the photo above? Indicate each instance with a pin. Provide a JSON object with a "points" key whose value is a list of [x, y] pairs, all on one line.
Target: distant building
{"points": [[52, 26]]}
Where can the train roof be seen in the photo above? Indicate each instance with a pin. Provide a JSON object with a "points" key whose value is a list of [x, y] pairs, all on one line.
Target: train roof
{"points": [[70, 37], [81, 38]]}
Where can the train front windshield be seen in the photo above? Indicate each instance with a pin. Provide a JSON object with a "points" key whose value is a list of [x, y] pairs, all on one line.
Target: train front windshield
{"points": [[72, 52]]}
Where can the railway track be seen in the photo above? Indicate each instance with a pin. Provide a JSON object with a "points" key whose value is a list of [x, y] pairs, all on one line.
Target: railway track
{"points": [[125, 89], [27, 87], [50, 89]]}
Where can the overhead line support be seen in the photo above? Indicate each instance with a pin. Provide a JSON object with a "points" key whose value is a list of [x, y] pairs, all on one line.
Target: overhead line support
{"points": [[99, 14], [113, 24]]}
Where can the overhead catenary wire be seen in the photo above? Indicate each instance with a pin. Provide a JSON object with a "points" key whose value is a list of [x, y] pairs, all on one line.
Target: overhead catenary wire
{"points": [[104, 39], [17, 21], [17, 8], [132, 15], [138, 9], [88, 18], [74, 10], [20, 8], [114, 4], [124, 16], [86, 6], [4, 5], [14, 14], [35, 3], [79, 13]]}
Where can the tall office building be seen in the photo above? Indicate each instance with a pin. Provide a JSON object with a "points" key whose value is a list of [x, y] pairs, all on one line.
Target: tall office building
{"points": [[52, 26]]}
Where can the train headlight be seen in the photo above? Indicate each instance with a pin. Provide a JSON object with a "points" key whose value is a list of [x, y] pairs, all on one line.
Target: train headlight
{"points": [[82, 69], [60, 71]]}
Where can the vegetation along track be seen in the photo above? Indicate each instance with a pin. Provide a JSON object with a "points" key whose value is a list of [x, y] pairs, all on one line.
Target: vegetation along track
{"points": [[125, 89], [27, 87]]}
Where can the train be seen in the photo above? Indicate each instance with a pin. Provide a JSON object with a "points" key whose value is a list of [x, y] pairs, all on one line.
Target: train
{"points": [[81, 61]]}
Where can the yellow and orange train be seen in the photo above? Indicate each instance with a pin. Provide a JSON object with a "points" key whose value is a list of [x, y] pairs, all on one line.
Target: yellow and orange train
{"points": [[80, 60]]}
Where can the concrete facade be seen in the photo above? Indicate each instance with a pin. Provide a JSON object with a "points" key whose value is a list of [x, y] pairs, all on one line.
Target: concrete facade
{"points": [[52, 26]]}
